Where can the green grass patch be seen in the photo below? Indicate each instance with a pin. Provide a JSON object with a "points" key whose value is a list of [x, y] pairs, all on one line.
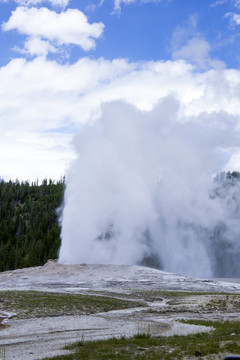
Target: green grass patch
{"points": [[176, 297], [226, 302], [28, 304], [224, 339], [156, 295]]}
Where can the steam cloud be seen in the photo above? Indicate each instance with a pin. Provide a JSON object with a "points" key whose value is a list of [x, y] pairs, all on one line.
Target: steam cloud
{"points": [[141, 191]]}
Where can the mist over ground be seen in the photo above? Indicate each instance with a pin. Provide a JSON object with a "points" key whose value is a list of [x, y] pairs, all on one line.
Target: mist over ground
{"points": [[141, 191]]}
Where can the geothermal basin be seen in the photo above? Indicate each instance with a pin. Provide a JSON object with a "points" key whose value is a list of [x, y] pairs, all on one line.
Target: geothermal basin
{"points": [[40, 336]]}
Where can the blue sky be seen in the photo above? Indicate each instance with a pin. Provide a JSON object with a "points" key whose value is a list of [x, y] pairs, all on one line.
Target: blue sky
{"points": [[61, 59], [144, 30]]}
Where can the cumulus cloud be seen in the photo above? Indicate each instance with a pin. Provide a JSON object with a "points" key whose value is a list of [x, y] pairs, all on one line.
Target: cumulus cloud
{"points": [[35, 46], [68, 27], [46, 100], [23, 151]]}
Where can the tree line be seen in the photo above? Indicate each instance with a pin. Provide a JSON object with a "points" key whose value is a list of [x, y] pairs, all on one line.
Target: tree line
{"points": [[29, 227]]}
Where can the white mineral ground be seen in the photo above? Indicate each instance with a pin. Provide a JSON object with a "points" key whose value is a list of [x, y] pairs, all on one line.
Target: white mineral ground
{"points": [[40, 337]]}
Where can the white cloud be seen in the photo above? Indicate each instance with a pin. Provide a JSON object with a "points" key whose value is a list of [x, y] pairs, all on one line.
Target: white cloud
{"points": [[36, 47], [69, 27], [25, 155], [217, 3], [236, 18], [44, 103], [188, 44], [197, 51], [117, 3], [236, 3]]}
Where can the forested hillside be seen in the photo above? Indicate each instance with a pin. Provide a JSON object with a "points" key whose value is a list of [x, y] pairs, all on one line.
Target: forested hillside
{"points": [[29, 229]]}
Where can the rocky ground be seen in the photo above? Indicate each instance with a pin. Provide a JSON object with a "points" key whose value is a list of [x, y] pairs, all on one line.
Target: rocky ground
{"points": [[164, 299]]}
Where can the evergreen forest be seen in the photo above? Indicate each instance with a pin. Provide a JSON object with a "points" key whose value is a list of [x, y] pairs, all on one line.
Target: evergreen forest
{"points": [[29, 228]]}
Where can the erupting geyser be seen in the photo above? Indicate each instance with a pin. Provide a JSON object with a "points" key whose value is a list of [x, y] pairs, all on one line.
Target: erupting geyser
{"points": [[141, 192]]}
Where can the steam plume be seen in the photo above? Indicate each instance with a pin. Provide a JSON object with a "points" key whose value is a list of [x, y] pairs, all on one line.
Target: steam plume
{"points": [[141, 191]]}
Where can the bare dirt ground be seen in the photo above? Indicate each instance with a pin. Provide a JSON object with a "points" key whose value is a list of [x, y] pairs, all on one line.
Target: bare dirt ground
{"points": [[36, 338]]}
